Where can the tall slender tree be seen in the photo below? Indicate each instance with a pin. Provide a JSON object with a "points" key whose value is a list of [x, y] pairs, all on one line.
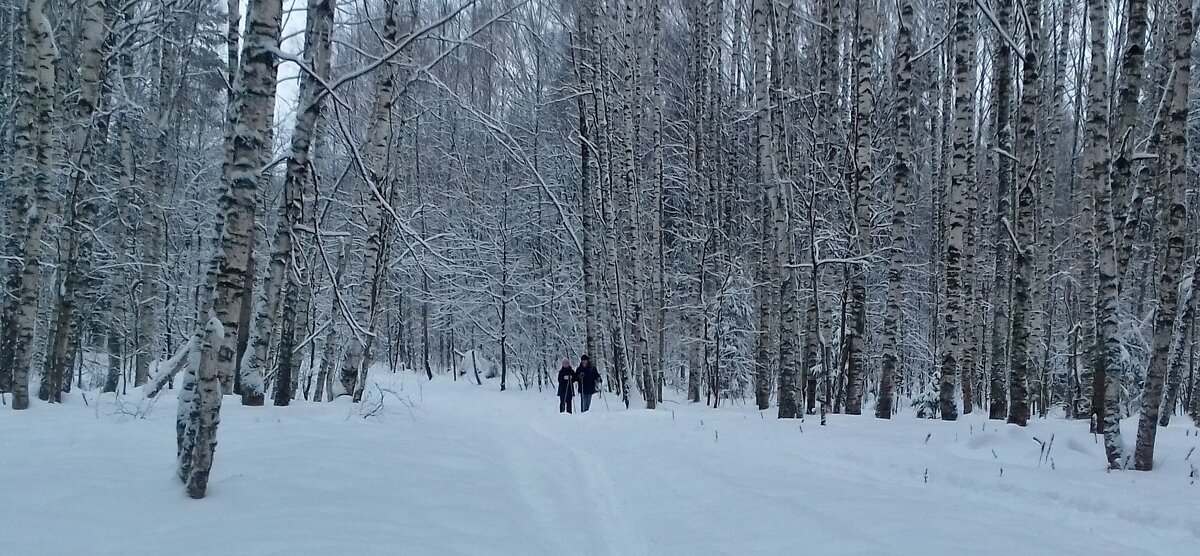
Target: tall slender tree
{"points": [[32, 176], [901, 177], [961, 184], [1171, 190], [254, 108], [1023, 233]]}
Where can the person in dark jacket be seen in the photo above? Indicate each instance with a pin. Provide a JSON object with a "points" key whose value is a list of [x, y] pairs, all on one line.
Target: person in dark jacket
{"points": [[566, 386], [589, 382]]}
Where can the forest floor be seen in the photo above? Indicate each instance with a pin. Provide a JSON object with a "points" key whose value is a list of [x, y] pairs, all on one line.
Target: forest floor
{"points": [[448, 467]]}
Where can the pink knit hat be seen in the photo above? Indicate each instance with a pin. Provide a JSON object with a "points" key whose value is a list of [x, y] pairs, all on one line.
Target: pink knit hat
{"points": [[566, 362]]}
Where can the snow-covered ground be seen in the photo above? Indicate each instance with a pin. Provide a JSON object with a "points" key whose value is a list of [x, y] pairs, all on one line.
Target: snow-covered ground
{"points": [[452, 468]]}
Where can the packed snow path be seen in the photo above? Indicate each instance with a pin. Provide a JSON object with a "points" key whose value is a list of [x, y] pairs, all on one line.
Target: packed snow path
{"points": [[453, 468]]}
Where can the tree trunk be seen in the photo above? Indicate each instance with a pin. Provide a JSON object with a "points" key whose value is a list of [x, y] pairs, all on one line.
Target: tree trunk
{"points": [[585, 42], [962, 181], [34, 145], [1006, 179], [1126, 113], [150, 296], [284, 387], [768, 287], [317, 37], [374, 172], [1106, 382], [1024, 236], [864, 107], [1179, 346], [254, 111], [789, 362], [901, 177], [75, 243], [1171, 192]]}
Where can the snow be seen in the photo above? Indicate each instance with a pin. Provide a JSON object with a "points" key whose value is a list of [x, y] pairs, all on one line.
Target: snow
{"points": [[473, 361], [447, 467]]}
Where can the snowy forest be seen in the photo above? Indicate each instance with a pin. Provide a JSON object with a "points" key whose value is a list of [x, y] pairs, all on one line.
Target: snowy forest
{"points": [[903, 208]]}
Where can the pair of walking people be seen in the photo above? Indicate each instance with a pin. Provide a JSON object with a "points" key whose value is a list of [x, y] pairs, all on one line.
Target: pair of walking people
{"points": [[586, 377]]}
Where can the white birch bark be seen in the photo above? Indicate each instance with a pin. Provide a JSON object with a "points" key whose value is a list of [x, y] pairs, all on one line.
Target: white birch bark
{"points": [[1006, 179], [901, 177], [585, 43], [1125, 113], [789, 326], [1024, 234], [864, 107], [768, 288], [317, 35], [33, 178], [1106, 385], [962, 182], [254, 110], [1171, 191], [75, 247], [374, 172], [1178, 352]]}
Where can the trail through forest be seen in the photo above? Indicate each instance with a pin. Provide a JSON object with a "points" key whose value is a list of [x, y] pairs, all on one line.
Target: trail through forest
{"points": [[453, 468]]}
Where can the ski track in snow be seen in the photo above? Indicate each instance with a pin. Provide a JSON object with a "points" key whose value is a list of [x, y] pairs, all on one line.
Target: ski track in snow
{"points": [[450, 468]]}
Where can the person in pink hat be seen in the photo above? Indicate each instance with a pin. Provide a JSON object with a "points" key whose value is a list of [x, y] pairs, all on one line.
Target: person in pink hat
{"points": [[566, 386]]}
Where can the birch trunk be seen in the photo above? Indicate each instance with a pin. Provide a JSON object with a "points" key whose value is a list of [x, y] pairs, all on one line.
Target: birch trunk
{"points": [[782, 69], [901, 177], [119, 330], [1024, 236], [324, 391], [587, 179], [150, 296], [1126, 113], [1006, 178], [619, 372], [1106, 383], [658, 286], [317, 36], [1179, 346], [34, 146], [962, 181], [864, 107], [284, 383], [75, 249], [254, 109], [768, 287], [374, 172], [1171, 192], [631, 184]]}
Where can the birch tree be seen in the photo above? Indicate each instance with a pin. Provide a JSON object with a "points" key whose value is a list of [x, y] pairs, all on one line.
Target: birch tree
{"points": [[253, 108], [317, 35], [766, 180], [34, 146], [1171, 190], [75, 251], [1108, 350], [961, 182], [1022, 233], [1006, 178], [901, 174], [864, 46], [373, 169]]}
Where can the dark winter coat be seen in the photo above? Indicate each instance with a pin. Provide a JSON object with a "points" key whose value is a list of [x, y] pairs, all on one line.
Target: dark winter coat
{"points": [[566, 376], [589, 379]]}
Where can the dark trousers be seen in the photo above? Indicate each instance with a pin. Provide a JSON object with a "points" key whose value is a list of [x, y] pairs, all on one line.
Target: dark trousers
{"points": [[564, 404], [585, 401]]}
